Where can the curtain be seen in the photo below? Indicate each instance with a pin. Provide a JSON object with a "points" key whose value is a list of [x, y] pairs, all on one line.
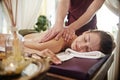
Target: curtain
{"points": [[1, 18], [28, 12], [51, 11], [113, 5], [113, 74], [25, 12]]}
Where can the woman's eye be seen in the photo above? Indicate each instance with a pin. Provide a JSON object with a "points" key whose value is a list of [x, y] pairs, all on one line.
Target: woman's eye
{"points": [[86, 38]]}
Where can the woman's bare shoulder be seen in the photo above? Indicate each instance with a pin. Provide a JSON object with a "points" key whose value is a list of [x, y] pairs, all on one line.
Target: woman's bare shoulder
{"points": [[34, 36]]}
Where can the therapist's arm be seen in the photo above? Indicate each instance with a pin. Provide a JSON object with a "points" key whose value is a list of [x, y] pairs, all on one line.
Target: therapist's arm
{"points": [[62, 10], [84, 19], [87, 16]]}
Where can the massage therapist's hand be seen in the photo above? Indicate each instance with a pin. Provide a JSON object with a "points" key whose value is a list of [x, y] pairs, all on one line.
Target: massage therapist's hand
{"points": [[67, 33], [52, 33]]}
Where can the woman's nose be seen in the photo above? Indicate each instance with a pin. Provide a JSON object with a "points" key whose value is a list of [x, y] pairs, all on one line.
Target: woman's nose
{"points": [[82, 47]]}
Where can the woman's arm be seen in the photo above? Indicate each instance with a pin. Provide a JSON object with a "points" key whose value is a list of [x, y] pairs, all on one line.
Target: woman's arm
{"points": [[32, 41], [53, 45], [44, 53]]}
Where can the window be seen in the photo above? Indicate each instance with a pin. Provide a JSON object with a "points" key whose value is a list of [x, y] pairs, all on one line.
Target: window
{"points": [[107, 21]]}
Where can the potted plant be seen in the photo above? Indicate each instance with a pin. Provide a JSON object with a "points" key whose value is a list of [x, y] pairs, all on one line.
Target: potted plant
{"points": [[42, 24]]}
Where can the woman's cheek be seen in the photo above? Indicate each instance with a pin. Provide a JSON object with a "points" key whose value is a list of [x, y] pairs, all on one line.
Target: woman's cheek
{"points": [[73, 46]]}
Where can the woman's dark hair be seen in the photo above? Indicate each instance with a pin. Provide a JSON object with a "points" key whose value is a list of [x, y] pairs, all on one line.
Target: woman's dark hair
{"points": [[107, 43]]}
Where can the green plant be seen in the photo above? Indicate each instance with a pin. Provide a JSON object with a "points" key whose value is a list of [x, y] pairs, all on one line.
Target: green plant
{"points": [[42, 23]]}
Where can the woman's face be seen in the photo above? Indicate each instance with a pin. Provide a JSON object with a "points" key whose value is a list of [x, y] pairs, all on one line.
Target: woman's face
{"points": [[86, 42]]}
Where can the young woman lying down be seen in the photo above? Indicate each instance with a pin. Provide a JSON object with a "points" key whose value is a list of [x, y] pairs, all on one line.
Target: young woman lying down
{"points": [[93, 40]]}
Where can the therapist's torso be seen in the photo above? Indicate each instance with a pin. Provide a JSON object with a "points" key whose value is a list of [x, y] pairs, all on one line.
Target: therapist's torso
{"points": [[77, 8]]}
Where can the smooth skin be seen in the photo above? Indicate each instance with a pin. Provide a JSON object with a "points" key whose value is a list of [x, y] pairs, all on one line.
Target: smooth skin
{"points": [[84, 43]]}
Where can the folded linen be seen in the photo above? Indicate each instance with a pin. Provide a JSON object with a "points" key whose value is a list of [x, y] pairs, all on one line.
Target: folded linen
{"points": [[69, 53], [2, 49]]}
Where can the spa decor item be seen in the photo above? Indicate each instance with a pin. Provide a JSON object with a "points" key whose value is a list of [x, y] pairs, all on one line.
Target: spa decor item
{"points": [[15, 62], [42, 24], [29, 69]]}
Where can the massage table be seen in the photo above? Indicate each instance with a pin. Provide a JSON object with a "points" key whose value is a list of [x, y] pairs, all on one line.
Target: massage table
{"points": [[81, 69]]}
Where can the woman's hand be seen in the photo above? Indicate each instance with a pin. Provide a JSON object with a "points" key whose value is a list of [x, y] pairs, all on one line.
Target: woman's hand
{"points": [[49, 53], [44, 53]]}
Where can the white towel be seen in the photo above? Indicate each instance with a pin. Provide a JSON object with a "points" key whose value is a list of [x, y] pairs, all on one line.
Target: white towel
{"points": [[2, 49], [69, 53]]}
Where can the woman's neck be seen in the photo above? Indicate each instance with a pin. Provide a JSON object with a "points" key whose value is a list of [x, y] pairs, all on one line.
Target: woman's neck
{"points": [[71, 41]]}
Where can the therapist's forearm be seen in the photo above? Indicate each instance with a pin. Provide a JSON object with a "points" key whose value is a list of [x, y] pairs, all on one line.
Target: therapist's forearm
{"points": [[62, 9], [88, 15]]}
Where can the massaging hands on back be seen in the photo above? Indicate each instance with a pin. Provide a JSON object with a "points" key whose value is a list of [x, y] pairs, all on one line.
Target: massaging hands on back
{"points": [[59, 31], [56, 32]]}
